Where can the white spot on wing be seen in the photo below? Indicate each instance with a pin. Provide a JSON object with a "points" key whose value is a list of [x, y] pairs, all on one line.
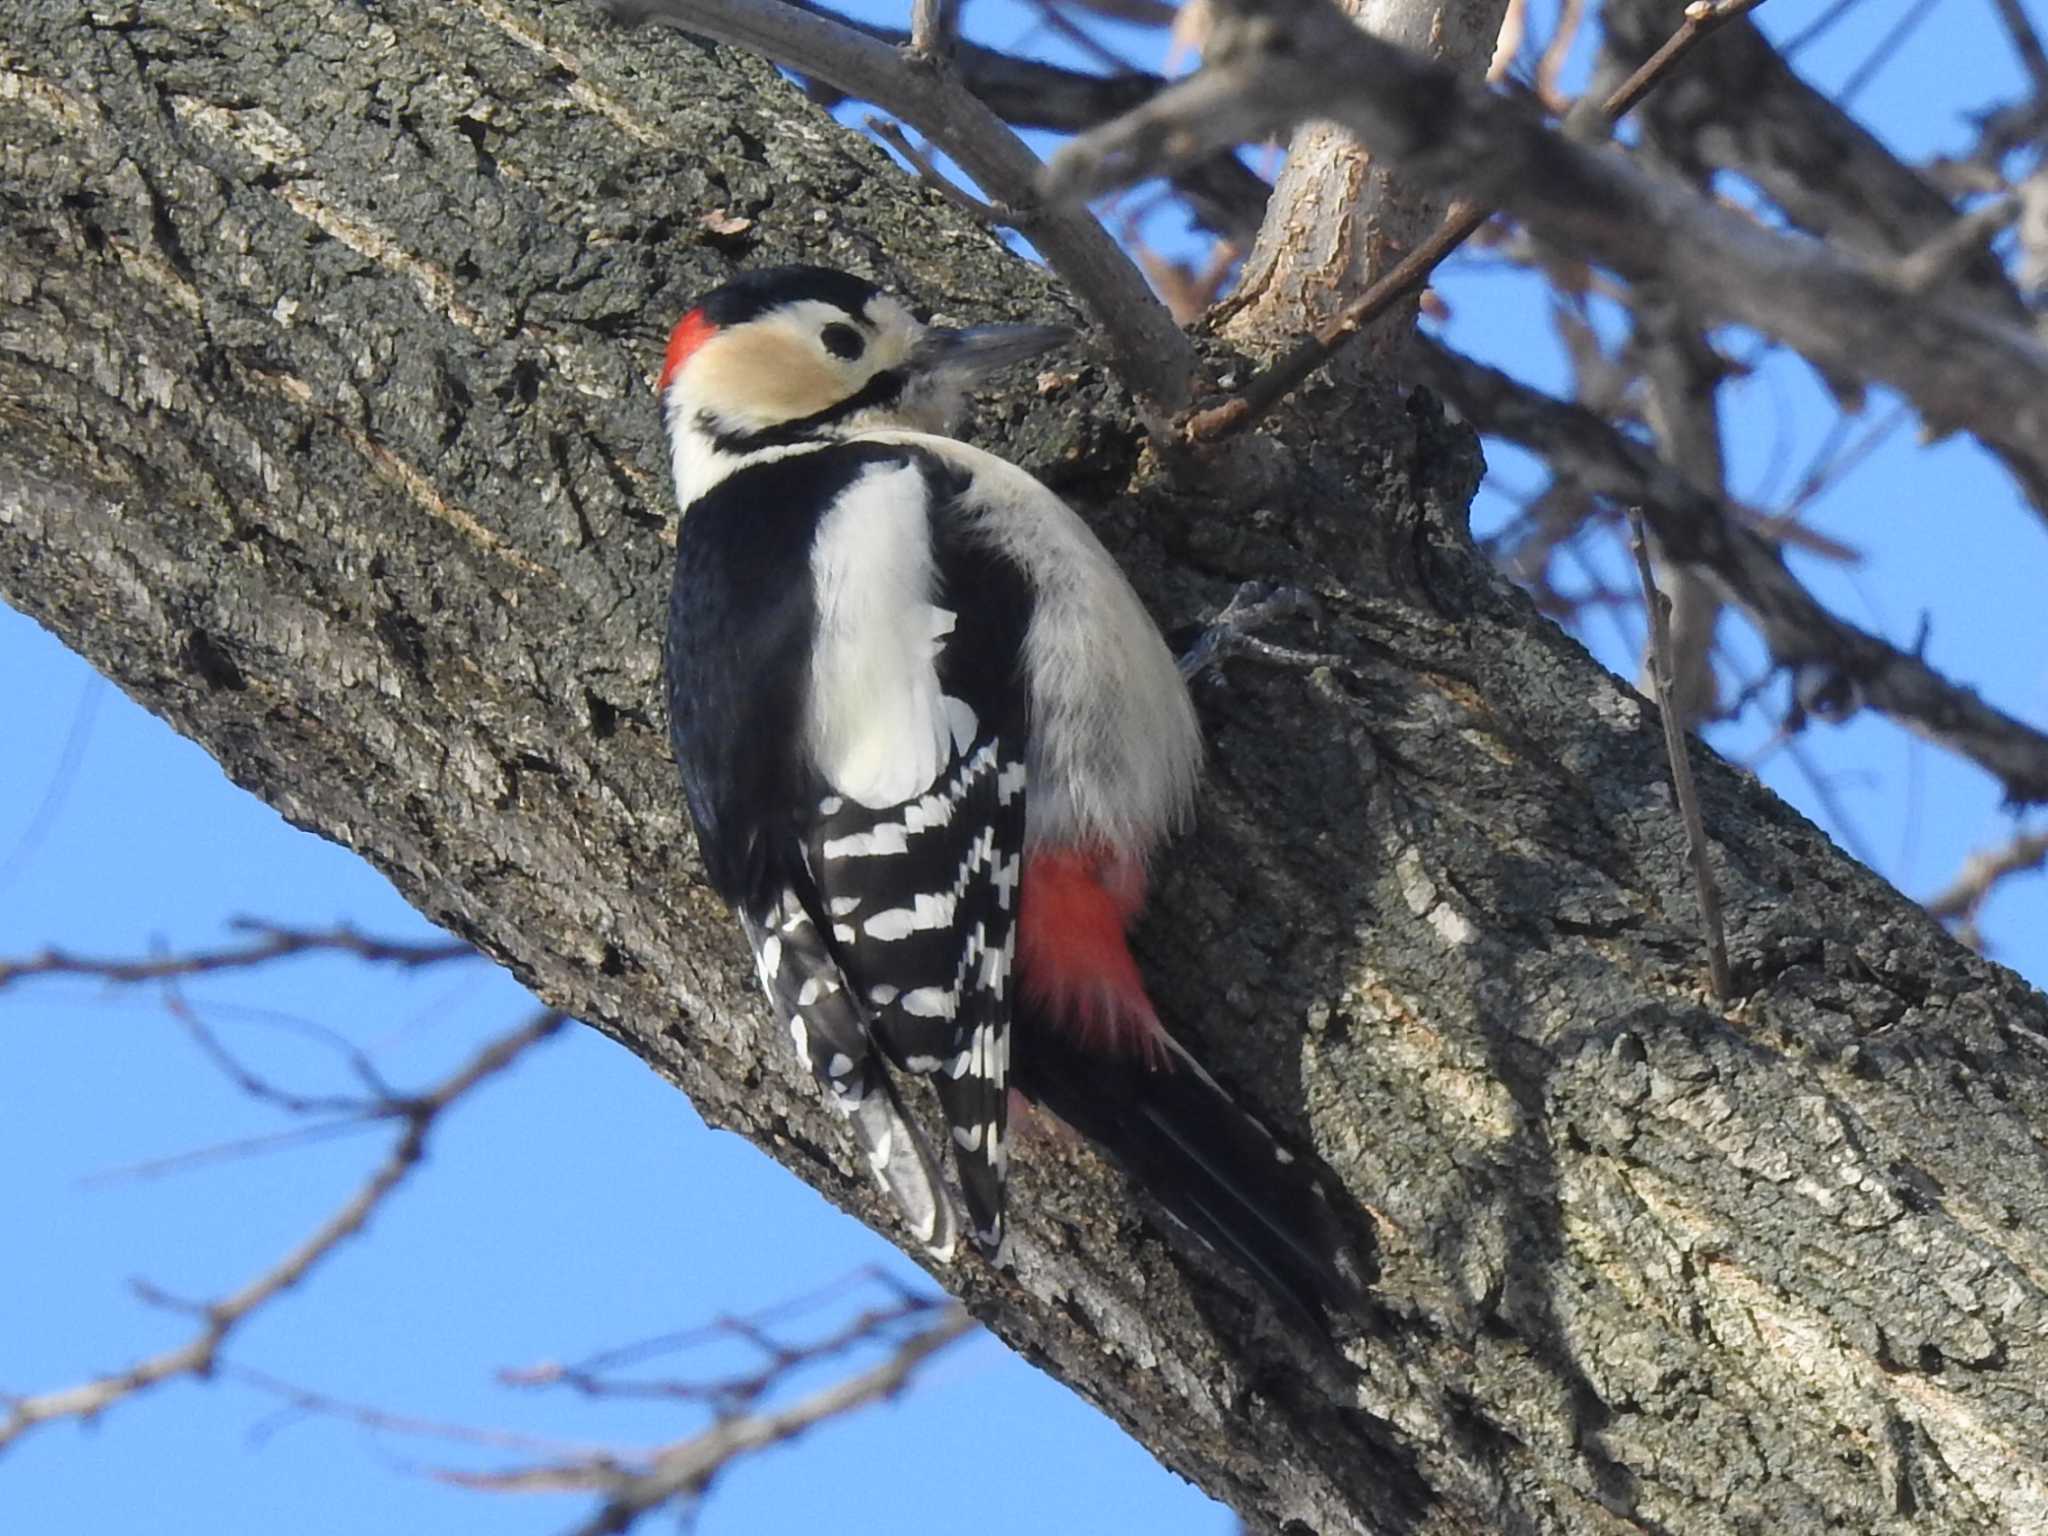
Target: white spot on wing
{"points": [[1006, 882], [931, 1002], [962, 720], [1010, 782], [887, 838], [926, 912]]}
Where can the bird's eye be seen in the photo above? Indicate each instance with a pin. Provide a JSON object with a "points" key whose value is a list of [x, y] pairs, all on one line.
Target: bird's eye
{"points": [[843, 341]]}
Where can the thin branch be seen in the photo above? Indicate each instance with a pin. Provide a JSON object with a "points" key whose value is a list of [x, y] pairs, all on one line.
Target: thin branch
{"points": [[226, 1151], [1550, 67], [686, 1468], [1965, 896], [1703, 18], [934, 27], [1464, 218], [737, 1394], [1886, 50], [306, 1401], [1293, 59], [271, 943], [379, 1099], [1223, 194], [1273, 384], [2026, 42], [1694, 530], [62, 777], [199, 1355], [1741, 107], [891, 133], [1948, 252], [1151, 355], [1682, 375], [1514, 28], [1681, 765]]}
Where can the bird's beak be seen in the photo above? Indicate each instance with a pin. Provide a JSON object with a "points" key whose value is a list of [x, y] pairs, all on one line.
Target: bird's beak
{"points": [[981, 349]]}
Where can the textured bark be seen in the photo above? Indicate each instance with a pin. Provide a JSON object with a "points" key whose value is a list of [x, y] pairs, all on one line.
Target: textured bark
{"points": [[325, 336], [1336, 220]]}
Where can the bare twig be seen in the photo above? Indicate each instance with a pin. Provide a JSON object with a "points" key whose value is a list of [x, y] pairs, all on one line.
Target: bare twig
{"points": [[737, 1394], [892, 134], [2026, 42], [377, 1102], [686, 1468], [1681, 765], [1292, 59], [934, 25], [1886, 50], [1151, 355], [271, 943], [1464, 218], [1273, 384], [1954, 247], [1964, 897], [199, 1354], [1222, 193], [296, 1399], [1682, 374], [1697, 531], [1514, 27], [1703, 18], [1550, 67], [62, 777], [1740, 107]]}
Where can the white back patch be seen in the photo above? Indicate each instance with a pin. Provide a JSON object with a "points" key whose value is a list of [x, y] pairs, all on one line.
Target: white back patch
{"points": [[878, 726], [1115, 749]]}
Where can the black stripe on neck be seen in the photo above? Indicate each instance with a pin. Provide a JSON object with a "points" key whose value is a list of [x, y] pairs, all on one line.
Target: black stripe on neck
{"points": [[885, 388]]}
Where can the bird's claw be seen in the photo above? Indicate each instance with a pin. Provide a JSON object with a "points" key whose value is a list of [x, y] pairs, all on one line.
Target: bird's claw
{"points": [[1233, 633]]}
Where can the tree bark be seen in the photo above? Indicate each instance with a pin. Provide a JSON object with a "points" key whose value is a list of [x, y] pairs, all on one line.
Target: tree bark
{"points": [[325, 344], [1336, 220]]}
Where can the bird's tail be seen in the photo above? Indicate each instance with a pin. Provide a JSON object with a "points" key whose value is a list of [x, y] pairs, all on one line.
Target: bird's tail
{"points": [[1206, 1161]]}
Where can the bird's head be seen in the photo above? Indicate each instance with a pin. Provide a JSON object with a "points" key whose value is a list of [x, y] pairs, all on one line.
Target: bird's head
{"points": [[786, 355]]}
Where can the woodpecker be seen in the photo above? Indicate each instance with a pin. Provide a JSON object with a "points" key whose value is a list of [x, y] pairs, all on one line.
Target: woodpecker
{"points": [[929, 737]]}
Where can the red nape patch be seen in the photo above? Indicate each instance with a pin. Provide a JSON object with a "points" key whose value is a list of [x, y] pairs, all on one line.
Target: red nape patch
{"points": [[691, 332], [1072, 960]]}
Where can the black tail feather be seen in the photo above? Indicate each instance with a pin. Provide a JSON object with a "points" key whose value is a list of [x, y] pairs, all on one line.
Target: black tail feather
{"points": [[1206, 1161]]}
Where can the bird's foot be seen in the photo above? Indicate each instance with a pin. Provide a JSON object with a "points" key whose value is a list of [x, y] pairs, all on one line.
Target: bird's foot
{"points": [[1232, 633]]}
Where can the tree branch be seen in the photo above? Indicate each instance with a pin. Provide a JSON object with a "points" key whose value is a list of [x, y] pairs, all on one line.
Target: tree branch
{"points": [[686, 1469], [199, 1354], [1151, 355], [1964, 896], [272, 942], [392, 547], [1658, 661], [1964, 368], [1224, 194], [1741, 107], [1696, 531]]}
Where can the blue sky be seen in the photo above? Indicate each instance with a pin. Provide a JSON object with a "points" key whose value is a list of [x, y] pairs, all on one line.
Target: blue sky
{"points": [[578, 1203]]}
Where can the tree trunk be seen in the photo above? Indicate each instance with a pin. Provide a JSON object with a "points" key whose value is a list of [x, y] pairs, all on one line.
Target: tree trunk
{"points": [[324, 374]]}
